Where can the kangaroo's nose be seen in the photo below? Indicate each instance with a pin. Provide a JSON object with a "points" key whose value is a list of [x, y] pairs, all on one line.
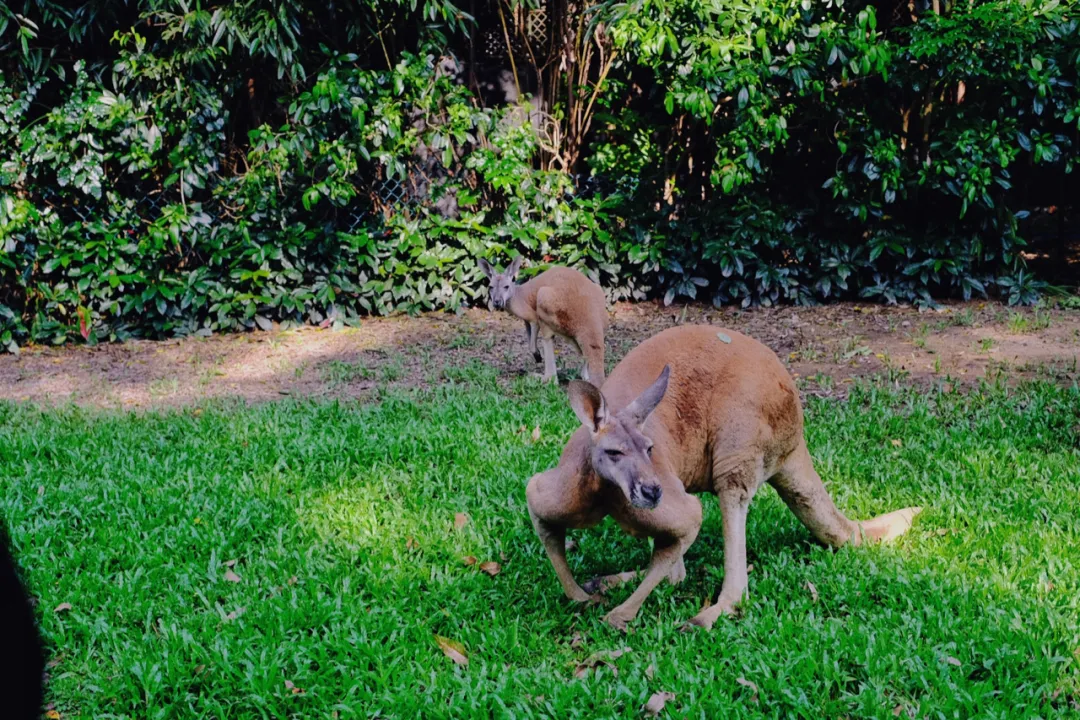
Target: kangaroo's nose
{"points": [[651, 493]]}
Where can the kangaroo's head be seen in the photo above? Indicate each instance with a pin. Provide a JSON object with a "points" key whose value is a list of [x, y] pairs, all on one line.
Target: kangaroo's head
{"points": [[500, 285], [619, 452]]}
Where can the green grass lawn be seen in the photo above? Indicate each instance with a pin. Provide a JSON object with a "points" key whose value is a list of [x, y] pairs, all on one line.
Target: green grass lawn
{"points": [[341, 521]]}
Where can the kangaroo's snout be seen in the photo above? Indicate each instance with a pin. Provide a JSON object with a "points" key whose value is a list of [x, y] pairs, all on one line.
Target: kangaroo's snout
{"points": [[646, 497]]}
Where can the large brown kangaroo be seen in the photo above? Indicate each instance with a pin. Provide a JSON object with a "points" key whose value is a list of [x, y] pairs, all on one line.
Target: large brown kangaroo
{"points": [[693, 409]]}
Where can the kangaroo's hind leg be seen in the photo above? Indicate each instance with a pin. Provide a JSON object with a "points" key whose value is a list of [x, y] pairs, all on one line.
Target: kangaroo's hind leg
{"points": [[735, 479], [548, 311], [547, 349]]}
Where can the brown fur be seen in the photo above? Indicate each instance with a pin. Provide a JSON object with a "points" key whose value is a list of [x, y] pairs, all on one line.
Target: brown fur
{"points": [[560, 301], [729, 421]]}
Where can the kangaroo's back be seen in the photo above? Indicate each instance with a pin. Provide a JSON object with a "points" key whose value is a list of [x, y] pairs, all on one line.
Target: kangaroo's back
{"points": [[725, 389], [577, 293]]}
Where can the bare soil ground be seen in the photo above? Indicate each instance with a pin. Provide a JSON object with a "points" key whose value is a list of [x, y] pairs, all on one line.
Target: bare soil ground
{"points": [[826, 348]]}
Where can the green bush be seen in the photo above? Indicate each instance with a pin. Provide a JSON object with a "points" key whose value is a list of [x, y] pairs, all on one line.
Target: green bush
{"points": [[184, 170]]}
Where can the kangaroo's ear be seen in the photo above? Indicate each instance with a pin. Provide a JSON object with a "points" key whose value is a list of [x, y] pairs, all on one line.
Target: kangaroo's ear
{"points": [[485, 267], [512, 271], [588, 404], [639, 410]]}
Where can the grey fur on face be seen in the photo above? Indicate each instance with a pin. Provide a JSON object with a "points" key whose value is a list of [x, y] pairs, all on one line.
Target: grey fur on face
{"points": [[500, 285]]}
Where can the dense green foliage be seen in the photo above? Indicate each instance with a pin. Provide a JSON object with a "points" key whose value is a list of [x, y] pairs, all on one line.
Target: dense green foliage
{"points": [[171, 167], [210, 556]]}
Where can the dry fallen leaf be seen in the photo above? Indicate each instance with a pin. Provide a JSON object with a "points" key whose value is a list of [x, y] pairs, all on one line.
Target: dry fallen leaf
{"points": [[570, 545], [953, 661], [896, 711], [896, 443], [199, 669], [235, 613], [576, 641], [746, 683], [536, 434], [650, 672], [292, 580], [656, 703], [40, 490], [52, 715], [231, 576], [749, 569], [229, 563], [411, 544], [62, 607], [491, 568], [813, 590], [604, 657], [469, 560], [295, 690], [460, 520], [453, 650]]}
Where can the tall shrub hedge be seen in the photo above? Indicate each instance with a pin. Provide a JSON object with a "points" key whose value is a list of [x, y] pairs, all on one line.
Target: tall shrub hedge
{"points": [[170, 168]]}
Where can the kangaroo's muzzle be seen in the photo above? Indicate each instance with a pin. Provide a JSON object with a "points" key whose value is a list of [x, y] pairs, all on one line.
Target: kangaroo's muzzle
{"points": [[646, 496]]}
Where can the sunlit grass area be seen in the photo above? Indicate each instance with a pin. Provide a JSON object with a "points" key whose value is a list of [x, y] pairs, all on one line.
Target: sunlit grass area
{"points": [[299, 559]]}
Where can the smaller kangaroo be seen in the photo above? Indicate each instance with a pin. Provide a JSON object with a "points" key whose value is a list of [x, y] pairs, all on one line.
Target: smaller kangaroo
{"points": [[558, 301], [693, 409]]}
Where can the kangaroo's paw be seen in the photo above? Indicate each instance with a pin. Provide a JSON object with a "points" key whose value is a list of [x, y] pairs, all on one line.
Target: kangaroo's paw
{"points": [[580, 595], [708, 617], [603, 583], [619, 620]]}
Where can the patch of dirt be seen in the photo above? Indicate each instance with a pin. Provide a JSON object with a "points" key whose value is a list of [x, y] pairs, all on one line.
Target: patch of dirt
{"points": [[826, 348]]}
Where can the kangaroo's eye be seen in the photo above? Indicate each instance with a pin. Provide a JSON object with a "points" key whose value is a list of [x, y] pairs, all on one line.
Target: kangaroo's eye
{"points": [[613, 454], [648, 451]]}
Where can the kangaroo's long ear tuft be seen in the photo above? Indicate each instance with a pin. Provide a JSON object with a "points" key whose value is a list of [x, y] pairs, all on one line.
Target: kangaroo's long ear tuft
{"points": [[485, 267], [515, 266], [588, 404], [639, 410]]}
